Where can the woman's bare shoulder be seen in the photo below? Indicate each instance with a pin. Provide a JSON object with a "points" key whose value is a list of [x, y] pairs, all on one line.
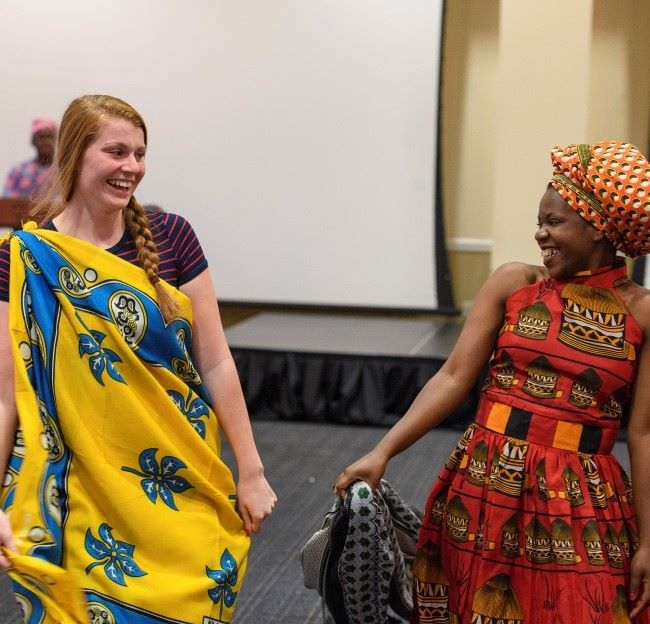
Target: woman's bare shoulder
{"points": [[512, 276], [637, 300]]}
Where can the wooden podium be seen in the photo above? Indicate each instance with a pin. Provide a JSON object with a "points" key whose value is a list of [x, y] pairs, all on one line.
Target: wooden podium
{"points": [[13, 211]]}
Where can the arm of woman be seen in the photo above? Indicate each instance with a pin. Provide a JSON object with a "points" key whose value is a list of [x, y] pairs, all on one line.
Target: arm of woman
{"points": [[8, 420], [216, 366], [638, 440], [446, 390]]}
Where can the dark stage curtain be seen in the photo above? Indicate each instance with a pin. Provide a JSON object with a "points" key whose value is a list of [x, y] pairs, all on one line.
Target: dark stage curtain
{"points": [[336, 388]]}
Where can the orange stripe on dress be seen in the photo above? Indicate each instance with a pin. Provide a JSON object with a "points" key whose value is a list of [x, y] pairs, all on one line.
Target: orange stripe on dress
{"points": [[567, 435], [497, 419]]}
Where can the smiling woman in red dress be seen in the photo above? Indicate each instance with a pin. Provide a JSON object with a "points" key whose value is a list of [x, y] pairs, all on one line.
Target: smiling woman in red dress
{"points": [[532, 520]]}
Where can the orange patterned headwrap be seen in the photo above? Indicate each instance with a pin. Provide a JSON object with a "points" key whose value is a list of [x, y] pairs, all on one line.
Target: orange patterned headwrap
{"points": [[608, 185]]}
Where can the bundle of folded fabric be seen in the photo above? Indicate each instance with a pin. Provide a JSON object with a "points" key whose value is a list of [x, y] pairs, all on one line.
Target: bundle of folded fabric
{"points": [[361, 559]]}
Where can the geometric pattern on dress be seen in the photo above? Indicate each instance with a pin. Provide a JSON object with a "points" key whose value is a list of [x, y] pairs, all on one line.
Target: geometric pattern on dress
{"points": [[593, 321], [541, 379]]}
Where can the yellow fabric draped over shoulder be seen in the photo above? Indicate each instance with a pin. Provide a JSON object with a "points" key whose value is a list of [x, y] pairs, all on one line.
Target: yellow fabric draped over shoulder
{"points": [[120, 503]]}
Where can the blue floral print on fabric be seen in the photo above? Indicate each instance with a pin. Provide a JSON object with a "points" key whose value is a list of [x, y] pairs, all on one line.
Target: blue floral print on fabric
{"points": [[100, 359], [225, 579], [192, 409], [160, 480], [114, 555]]}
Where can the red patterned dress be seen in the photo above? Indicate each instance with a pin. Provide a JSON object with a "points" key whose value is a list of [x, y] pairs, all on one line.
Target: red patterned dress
{"points": [[531, 519]]}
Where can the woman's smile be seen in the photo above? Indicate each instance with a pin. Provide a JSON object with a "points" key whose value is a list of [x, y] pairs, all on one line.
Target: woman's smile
{"points": [[548, 253]]}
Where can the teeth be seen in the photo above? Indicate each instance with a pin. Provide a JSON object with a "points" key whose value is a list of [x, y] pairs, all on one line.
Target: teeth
{"points": [[548, 253], [125, 184]]}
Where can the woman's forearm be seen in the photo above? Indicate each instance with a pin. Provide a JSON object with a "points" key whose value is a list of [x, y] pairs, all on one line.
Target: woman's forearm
{"points": [[229, 406], [8, 424], [8, 415]]}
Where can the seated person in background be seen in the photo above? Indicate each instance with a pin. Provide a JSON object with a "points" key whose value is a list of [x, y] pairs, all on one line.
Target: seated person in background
{"points": [[25, 178]]}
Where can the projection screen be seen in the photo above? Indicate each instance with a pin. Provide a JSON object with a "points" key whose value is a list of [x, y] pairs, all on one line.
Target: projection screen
{"points": [[299, 137]]}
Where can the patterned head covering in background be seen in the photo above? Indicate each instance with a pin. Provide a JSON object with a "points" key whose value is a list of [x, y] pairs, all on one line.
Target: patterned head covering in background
{"points": [[608, 185], [42, 123]]}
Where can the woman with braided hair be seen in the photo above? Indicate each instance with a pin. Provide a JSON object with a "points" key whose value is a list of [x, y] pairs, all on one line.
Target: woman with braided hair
{"points": [[115, 381], [532, 520]]}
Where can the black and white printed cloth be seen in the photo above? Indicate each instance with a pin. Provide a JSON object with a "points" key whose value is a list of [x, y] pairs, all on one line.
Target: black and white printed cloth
{"points": [[361, 559]]}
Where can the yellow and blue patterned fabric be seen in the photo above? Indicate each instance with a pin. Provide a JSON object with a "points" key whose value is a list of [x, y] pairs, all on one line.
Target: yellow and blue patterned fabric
{"points": [[122, 509]]}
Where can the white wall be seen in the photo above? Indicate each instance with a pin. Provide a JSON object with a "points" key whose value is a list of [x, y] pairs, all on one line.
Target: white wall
{"points": [[298, 136]]}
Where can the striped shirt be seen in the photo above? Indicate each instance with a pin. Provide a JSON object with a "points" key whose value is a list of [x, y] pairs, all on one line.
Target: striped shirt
{"points": [[181, 255]]}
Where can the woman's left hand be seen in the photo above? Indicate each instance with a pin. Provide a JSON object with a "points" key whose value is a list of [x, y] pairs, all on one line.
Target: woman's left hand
{"points": [[640, 581], [255, 500]]}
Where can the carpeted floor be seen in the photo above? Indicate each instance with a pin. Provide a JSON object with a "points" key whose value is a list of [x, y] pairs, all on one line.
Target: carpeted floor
{"points": [[302, 460]]}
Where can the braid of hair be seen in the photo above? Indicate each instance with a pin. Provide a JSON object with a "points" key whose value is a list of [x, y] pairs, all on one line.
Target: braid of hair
{"points": [[138, 226]]}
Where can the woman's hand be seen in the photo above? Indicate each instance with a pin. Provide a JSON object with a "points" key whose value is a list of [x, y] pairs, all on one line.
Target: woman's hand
{"points": [[640, 581], [370, 468], [255, 500], [6, 540]]}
